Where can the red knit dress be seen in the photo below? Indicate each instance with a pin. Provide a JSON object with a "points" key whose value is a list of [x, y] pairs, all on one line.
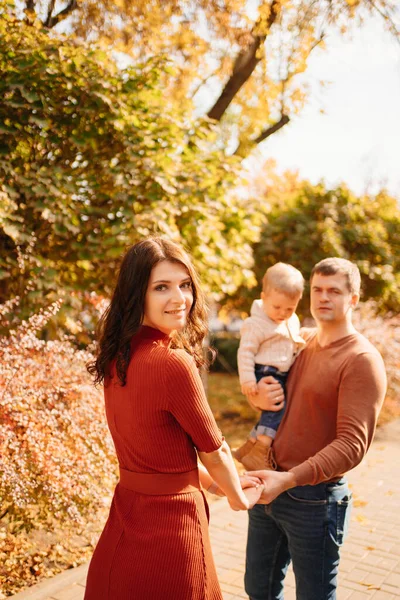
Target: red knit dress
{"points": [[157, 547]]}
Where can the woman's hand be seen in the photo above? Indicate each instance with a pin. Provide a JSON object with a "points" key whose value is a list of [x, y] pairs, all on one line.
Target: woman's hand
{"points": [[237, 504], [270, 394], [252, 488], [249, 480], [253, 495]]}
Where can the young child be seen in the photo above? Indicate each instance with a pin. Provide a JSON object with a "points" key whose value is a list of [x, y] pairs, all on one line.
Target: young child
{"points": [[269, 344]]}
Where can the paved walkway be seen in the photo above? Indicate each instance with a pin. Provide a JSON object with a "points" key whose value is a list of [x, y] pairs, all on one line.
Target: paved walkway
{"points": [[370, 565]]}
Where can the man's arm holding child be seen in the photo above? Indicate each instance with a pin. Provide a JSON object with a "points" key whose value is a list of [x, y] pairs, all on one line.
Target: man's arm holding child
{"points": [[360, 398]]}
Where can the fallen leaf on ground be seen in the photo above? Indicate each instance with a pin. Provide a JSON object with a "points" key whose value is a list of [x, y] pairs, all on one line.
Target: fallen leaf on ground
{"points": [[361, 518], [358, 502], [370, 586]]}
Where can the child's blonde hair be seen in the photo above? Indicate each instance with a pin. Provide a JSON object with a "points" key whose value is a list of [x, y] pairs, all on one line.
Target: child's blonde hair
{"points": [[283, 278]]}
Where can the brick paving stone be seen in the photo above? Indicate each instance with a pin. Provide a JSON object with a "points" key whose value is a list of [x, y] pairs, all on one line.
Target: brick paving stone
{"points": [[75, 592], [290, 594], [393, 579], [355, 586], [375, 579], [48, 589], [231, 589], [356, 551], [239, 580], [391, 589], [344, 593], [360, 596], [380, 595], [386, 562], [374, 570], [347, 564], [357, 575], [239, 596], [230, 576]]}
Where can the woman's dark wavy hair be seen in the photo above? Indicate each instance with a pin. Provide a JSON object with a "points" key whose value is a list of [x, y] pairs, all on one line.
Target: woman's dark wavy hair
{"points": [[124, 315]]}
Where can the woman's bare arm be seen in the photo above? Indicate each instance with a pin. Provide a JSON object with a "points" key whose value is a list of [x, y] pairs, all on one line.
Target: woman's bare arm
{"points": [[221, 470]]}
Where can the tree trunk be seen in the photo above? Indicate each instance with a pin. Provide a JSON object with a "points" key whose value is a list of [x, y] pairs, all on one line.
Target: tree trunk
{"points": [[245, 63]]}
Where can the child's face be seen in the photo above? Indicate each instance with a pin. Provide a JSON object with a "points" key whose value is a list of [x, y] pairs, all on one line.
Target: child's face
{"points": [[279, 306]]}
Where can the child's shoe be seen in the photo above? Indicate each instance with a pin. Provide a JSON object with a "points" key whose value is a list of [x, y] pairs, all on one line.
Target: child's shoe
{"points": [[259, 457], [244, 449]]}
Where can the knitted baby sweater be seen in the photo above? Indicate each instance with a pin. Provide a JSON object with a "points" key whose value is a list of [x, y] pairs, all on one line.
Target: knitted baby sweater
{"points": [[267, 343]]}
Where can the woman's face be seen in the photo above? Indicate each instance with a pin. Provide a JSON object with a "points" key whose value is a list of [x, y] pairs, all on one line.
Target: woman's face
{"points": [[169, 297]]}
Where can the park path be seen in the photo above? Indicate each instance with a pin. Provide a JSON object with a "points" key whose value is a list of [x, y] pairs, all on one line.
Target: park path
{"points": [[370, 565]]}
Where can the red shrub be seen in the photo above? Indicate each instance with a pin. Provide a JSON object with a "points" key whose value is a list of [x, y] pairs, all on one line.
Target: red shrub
{"points": [[57, 457]]}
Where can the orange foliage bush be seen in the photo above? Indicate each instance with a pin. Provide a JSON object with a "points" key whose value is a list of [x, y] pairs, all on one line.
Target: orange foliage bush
{"points": [[57, 464], [384, 333]]}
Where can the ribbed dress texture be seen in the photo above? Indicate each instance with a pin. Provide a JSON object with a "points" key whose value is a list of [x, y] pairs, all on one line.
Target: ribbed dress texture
{"points": [[156, 547]]}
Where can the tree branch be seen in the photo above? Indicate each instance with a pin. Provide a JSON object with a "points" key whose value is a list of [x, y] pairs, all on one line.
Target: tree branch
{"points": [[244, 65], [388, 18], [284, 120], [30, 11], [50, 9], [63, 14], [245, 147]]}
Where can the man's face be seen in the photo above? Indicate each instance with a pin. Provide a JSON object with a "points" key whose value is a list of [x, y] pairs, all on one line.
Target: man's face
{"points": [[331, 300]]}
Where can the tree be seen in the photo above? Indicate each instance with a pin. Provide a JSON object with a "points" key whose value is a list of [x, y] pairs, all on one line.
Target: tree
{"points": [[310, 223], [91, 160], [248, 57]]}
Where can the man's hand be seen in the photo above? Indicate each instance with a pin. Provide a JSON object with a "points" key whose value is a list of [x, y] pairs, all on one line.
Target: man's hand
{"points": [[275, 482], [249, 388], [270, 394]]}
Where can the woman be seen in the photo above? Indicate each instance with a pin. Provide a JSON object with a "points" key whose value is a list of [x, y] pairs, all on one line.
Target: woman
{"points": [[155, 544]]}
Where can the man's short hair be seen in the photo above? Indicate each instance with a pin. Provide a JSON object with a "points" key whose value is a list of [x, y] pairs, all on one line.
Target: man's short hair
{"points": [[335, 265], [284, 278]]}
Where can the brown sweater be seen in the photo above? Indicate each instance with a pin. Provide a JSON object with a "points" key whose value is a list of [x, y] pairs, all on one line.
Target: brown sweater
{"points": [[334, 395]]}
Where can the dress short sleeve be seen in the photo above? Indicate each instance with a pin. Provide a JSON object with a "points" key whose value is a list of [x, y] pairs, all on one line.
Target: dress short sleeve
{"points": [[188, 403]]}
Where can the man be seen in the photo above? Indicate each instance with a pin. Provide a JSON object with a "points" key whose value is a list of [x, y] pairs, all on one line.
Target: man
{"points": [[334, 393]]}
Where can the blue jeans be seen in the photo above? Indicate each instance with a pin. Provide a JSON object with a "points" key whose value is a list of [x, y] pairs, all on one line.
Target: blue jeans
{"points": [[269, 420], [306, 525]]}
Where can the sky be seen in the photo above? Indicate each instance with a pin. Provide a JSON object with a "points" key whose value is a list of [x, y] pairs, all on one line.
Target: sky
{"points": [[357, 139]]}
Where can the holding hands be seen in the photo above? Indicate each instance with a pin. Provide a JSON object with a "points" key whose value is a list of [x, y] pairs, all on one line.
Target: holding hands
{"points": [[252, 487], [274, 483], [262, 487]]}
